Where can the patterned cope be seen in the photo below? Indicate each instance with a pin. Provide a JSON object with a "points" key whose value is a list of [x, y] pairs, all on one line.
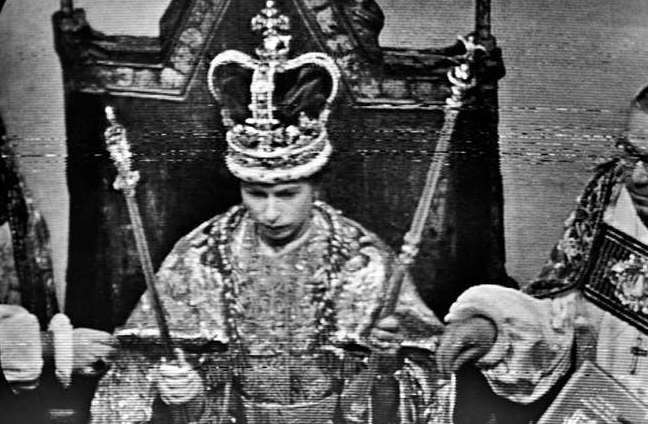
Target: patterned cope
{"points": [[277, 370], [27, 293], [567, 261], [26, 276], [562, 273], [550, 327]]}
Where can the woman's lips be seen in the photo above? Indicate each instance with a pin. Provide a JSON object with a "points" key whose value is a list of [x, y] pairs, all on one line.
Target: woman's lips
{"points": [[277, 229]]}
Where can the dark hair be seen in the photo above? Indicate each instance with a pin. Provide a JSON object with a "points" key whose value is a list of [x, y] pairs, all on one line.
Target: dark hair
{"points": [[639, 104], [318, 178]]}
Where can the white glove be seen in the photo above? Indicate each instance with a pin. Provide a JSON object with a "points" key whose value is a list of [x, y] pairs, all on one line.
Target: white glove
{"points": [[177, 382], [21, 353]]}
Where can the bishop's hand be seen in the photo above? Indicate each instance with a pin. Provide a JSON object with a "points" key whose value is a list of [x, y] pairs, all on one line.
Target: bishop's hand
{"points": [[463, 342], [94, 351], [384, 336]]}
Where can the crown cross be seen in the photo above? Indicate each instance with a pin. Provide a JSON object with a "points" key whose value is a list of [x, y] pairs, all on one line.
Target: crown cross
{"points": [[262, 148], [272, 24]]}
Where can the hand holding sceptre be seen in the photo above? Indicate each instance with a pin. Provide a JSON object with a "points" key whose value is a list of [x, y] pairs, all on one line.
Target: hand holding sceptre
{"points": [[126, 181], [462, 80]]}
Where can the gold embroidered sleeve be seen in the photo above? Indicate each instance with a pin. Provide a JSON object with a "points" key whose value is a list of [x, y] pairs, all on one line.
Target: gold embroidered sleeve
{"points": [[190, 296]]}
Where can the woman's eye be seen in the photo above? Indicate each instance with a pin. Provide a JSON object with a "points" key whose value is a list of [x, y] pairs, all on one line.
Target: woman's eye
{"points": [[253, 193], [286, 194]]}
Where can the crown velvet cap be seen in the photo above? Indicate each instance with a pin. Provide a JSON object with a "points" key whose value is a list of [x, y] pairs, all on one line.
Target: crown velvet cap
{"points": [[285, 138]]}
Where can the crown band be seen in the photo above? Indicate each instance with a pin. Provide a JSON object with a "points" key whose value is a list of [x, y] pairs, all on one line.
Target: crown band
{"points": [[262, 149], [280, 170]]}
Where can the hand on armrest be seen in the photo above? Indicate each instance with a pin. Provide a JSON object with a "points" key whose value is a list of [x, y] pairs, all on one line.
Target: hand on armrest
{"points": [[464, 342], [180, 386]]}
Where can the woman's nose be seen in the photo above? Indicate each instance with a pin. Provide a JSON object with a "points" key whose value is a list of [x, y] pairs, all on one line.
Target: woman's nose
{"points": [[271, 212], [638, 287]]}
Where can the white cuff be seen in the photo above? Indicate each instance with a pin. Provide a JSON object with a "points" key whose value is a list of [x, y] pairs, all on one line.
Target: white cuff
{"points": [[61, 328], [533, 343], [21, 354]]}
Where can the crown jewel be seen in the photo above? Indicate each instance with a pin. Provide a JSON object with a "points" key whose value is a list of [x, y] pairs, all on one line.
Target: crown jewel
{"points": [[262, 149]]}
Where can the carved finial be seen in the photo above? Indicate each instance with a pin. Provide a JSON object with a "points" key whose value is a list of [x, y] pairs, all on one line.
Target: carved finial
{"points": [[462, 76], [471, 47], [67, 6], [483, 19]]}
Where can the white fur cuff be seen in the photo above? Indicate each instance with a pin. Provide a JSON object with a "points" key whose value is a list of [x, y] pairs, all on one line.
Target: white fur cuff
{"points": [[61, 328], [21, 355]]}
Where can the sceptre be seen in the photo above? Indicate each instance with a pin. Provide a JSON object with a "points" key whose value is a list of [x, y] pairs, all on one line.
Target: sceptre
{"points": [[126, 182], [462, 80]]}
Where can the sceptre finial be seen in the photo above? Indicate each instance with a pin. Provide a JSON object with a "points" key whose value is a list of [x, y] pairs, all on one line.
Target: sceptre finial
{"points": [[119, 149]]}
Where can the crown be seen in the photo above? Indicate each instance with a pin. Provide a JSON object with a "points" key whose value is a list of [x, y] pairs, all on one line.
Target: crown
{"points": [[263, 149]]}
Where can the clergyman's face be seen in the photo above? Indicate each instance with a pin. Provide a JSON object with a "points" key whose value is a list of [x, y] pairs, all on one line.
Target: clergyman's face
{"points": [[637, 182], [638, 130], [282, 211]]}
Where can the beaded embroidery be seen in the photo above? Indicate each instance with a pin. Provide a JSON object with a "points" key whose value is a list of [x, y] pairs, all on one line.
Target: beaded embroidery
{"points": [[322, 292]]}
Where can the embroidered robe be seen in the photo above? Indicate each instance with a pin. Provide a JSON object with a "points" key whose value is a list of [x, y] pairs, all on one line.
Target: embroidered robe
{"points": [[291, 360]]}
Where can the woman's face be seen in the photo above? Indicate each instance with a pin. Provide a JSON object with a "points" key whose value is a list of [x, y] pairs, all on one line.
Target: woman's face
{"points": [[637, 181], [282, 211]]}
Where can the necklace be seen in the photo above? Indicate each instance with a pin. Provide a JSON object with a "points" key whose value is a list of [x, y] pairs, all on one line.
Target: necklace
{"points": [[322, 292]]}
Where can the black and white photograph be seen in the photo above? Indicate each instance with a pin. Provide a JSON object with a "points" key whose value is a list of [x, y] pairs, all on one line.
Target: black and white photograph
{"points": [[324, 212]]}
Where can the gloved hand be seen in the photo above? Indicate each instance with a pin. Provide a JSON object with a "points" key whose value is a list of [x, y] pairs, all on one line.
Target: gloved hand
{"points": [[465, 341], [384, 335], [177, 382], [385, 342], [21, 358], [94, 351]]}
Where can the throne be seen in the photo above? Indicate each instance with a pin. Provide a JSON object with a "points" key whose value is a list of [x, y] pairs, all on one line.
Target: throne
{"points": [[384, 132]]}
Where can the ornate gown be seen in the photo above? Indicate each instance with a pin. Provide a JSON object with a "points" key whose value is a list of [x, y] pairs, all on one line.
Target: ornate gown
{"points": [[278, 337]]}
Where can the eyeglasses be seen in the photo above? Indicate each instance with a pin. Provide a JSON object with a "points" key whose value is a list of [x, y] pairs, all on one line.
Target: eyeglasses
{"points": [[630, 148]]}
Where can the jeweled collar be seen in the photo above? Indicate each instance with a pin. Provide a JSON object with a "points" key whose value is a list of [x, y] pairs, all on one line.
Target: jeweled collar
{"points": [[323, 293]]}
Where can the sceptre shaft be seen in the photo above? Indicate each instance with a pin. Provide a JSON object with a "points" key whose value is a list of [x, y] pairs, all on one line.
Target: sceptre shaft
{"points": [[413, 237], [126, 182], [462, 80]]}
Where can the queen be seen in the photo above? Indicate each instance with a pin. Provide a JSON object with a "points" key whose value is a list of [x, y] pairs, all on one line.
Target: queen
{"points": [[278, 304]]}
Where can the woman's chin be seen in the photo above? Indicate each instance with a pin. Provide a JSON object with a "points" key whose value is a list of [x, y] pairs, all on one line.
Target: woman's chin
{"points": [[278, 238]]}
